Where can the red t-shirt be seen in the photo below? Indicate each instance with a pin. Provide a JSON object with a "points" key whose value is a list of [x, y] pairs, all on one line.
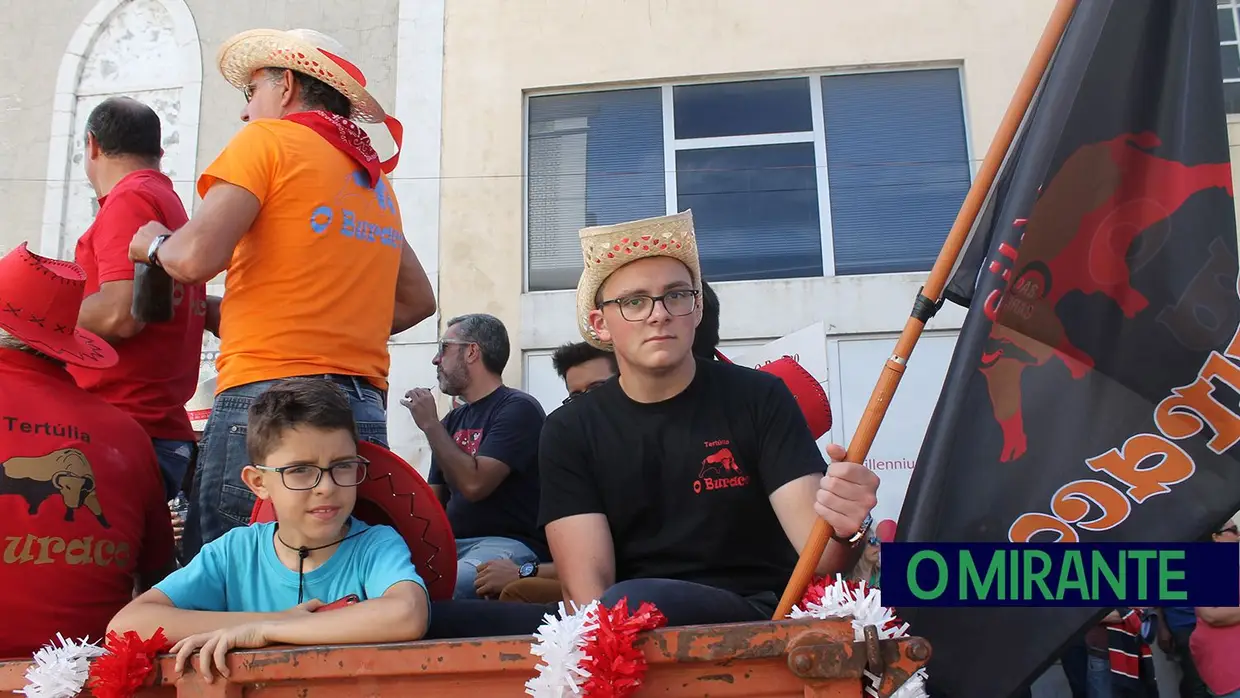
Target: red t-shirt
{"points": [[1216, 652], [158, 369], [82, 507]]}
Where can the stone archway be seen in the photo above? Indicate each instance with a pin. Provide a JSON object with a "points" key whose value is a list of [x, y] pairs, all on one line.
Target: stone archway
{"points": [[145, 49]]}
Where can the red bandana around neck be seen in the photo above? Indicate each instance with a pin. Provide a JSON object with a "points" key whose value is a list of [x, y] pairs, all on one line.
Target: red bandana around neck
{"points": [[346, 136]]}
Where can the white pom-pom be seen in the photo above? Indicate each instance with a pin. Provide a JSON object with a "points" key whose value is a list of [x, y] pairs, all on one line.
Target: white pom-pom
{"points": [[864, 606], [561, 644], [60, 672]]}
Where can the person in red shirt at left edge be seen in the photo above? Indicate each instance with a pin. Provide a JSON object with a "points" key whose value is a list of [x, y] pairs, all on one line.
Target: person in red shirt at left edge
{"points": [[157, 370], [82, 514]]}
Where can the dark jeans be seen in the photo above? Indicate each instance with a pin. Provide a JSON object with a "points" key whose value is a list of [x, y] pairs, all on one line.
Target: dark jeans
{"points": [[1191, 685], [1075, 664], [683, 603], [174, 457], [220, 500]]}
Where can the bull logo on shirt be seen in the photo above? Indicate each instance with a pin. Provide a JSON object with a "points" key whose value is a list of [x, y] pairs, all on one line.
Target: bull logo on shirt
{"points": [[64, 473], [719, 471], [468, 440]]}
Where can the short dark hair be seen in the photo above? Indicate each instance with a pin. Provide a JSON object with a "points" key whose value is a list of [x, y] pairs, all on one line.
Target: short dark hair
{"points": [[125, 126], [315, 93], [706, 337], [575, 354], [292, 403], [489, 333]]}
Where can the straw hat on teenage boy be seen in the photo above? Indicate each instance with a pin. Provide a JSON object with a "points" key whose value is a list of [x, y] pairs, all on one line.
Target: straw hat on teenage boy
{"points": [[39, 302], [606, 248], [311, 53]]}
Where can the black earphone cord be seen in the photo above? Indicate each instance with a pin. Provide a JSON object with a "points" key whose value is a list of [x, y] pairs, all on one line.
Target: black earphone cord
{"points": [[302, 553]]}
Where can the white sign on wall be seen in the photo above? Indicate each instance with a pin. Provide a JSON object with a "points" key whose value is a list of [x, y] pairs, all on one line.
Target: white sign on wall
{"points": [[856, 365]]}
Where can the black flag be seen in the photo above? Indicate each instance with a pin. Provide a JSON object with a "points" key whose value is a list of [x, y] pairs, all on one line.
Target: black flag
{"points": [[1094, 394]]}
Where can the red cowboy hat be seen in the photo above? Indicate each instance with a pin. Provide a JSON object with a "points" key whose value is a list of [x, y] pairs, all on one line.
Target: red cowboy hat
{"points": [[39, 302], [395, 495], [810, 396]]}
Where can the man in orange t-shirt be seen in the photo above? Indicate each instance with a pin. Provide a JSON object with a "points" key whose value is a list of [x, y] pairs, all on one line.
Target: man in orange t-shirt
{"points": [[299, 212]]}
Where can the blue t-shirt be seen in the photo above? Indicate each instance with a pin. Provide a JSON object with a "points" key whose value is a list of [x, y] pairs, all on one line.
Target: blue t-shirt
{"points": [[239, 572], [1180, 618]]}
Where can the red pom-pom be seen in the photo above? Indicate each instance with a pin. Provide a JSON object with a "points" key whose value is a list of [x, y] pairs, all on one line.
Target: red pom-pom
{"points": [[813, 593], [617, 667], [127, 664]]}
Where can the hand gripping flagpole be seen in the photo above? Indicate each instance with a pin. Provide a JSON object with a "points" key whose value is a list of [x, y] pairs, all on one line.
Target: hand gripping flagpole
{"points": [[929, 298]]}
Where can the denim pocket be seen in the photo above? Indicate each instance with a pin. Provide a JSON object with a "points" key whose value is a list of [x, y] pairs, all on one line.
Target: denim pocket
{"points": [[236, 500], [374, 432]]}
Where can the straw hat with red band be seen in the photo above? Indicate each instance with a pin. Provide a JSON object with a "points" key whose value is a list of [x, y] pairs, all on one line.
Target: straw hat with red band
{"points": [[39, 302], [810, 396], [311, 53], [395, 495], [606, 248]]}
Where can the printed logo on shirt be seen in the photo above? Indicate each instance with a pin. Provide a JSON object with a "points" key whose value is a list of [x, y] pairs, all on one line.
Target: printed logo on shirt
{"points": [[64, 475], [468, 440], [719, 470], [350, 224]]}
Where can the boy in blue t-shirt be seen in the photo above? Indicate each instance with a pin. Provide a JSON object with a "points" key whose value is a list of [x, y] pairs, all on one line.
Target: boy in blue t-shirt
{"points": [[259, 585]]}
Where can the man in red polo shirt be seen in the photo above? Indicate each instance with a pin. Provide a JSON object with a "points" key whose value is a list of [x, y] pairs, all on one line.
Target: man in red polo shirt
{"points": [[157, 371], [81, 504]]}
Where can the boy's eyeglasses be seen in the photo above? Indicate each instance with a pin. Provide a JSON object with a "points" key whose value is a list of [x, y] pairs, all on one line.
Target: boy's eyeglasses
{"points": [[638, 308], [350, 473], [579, 393]]}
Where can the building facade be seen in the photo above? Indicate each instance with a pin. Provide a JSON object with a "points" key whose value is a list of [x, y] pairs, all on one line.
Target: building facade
{"points": [[823, 145]]}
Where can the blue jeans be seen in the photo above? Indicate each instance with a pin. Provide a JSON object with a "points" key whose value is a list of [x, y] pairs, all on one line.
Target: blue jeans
{"points": [[471, 552], [220, 500], [173, 460], [1099, 676]]}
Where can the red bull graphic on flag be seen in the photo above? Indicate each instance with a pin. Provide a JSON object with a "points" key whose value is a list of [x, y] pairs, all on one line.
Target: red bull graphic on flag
{"points": [[1093, 397]]}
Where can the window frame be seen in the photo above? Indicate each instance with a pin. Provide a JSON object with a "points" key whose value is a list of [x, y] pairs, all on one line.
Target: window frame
{"points": [[1234, 6], [672, 145]]}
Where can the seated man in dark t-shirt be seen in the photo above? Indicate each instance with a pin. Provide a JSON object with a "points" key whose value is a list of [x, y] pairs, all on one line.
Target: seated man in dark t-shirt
{"points": [[484, 454], [685, 482]]}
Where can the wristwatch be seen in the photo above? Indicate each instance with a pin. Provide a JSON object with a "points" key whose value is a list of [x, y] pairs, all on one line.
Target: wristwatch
{"points": [[856, 538], [527, 570], [152, 252]]}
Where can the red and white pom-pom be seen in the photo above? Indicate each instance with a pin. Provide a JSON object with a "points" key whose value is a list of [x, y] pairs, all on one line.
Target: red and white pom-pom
{"points": [[591, 651], [60, 671], [127, 663], [561, 641], [864, 605]]}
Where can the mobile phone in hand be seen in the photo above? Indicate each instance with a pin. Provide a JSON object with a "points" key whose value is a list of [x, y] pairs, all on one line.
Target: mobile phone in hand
{"points": [[339, 603]]}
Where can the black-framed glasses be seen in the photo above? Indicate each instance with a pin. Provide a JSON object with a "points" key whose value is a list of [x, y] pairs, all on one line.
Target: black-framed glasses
{"points": [[637, 308], [579, 393], [303, 476], [248, 92]]}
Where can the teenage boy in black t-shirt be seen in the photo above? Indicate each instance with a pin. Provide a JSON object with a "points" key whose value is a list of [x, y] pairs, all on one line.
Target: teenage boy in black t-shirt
{"points": [[688, 483], [484, 454]]}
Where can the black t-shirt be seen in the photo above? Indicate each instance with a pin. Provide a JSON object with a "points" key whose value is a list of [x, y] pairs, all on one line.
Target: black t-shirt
{"points": [[505, 426], [684, 483]]}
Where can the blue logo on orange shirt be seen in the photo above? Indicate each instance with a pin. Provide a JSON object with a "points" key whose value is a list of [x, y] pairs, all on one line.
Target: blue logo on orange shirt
{"points": [[350, 224]]}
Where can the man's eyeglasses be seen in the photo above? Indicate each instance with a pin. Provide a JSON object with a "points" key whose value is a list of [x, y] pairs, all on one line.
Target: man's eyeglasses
{"points": [[248, 91], [350, 473], [637, 308], [579, 393], [445, 343]]}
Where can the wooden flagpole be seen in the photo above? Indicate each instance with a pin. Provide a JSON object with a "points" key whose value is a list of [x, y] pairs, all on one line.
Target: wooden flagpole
{"points": [[872, 418]]}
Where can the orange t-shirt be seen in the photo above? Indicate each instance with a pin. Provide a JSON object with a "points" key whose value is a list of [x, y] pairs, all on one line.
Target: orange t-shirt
{"points": [[311, 287]]}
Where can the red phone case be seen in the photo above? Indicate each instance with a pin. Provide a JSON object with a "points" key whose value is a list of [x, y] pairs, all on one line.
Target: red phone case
{"points": [[339, 603]]}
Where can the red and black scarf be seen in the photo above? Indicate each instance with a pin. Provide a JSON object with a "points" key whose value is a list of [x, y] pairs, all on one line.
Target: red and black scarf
{"points": [[348, 138], [1132, 660]]}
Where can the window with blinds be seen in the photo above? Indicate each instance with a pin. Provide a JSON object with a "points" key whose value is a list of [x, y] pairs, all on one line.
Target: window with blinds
{"points": [[898, 167], [749, 158], [594, 159]]}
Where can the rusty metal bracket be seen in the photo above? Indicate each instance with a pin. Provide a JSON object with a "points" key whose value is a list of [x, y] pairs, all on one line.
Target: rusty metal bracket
{"points": [[816, 657]]}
